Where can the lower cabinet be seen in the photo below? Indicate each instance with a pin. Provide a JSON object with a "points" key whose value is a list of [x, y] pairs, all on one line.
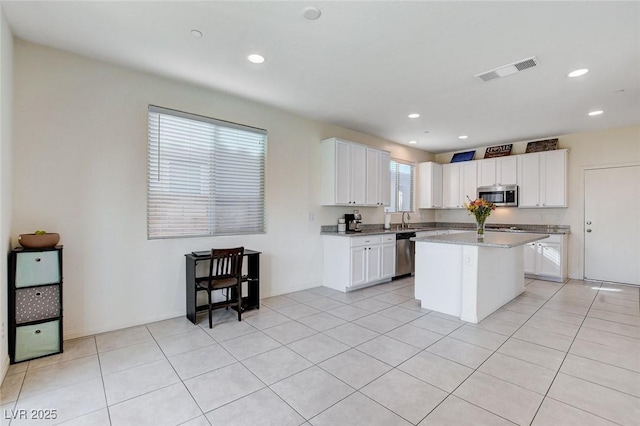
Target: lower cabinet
{"points": [[547, 259], [359, 261]]}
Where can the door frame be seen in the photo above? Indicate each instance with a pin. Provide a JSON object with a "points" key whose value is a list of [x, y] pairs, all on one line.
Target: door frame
{"points": [[584, 204]]}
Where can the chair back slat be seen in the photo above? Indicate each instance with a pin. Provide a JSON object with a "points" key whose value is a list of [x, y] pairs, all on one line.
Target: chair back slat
{"points": [[226, 262]]}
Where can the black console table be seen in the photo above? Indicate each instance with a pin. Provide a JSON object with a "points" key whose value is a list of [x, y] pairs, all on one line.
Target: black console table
{"points": [[249, 301]]}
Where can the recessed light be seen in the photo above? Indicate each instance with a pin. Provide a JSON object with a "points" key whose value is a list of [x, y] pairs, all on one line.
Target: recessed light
{"points": [[463, 137], [413, 115], [255, 58], [592, 113], [311, 13], [578, 73], [413, 142], [196, 33]]}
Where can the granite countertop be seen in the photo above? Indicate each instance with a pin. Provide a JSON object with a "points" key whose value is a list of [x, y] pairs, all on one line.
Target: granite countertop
{"points": [[491, 239], [418, 227]]}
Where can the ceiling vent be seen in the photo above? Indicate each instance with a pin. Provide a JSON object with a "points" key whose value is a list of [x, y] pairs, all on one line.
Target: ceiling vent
{"points": [[508, 69]]}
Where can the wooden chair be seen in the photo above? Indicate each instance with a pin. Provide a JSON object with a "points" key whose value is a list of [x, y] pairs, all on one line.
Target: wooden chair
{"points": [[225, 273]]}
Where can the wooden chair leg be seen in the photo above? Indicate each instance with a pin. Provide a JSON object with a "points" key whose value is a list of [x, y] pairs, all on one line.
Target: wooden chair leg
{"points": [[210, 313], [240, 302]]}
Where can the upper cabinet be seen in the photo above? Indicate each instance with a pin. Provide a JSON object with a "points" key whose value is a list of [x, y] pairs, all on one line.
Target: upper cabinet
{"points": [[498, 171], [459, 182], [430, 185], [542, 178], [354, 175], [378, 178]]}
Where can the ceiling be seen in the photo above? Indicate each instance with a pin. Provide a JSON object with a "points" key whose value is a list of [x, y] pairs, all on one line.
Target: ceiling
{"points": [[367, 65]]}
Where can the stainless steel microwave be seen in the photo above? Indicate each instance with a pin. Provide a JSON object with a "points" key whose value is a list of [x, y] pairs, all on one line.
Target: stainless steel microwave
{"points": [[501, 196]]}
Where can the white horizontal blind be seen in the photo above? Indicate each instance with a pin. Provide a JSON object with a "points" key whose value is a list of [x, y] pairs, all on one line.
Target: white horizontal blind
{"points": [[402, 178], [206, 176]]}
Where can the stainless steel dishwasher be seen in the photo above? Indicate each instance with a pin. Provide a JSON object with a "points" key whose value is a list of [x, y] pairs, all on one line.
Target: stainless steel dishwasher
{"points": [[405, 254]]}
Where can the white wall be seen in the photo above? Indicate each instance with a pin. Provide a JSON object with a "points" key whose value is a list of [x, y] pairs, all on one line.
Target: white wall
{"points": [[6, 116], [601, 148], [80, 153]]}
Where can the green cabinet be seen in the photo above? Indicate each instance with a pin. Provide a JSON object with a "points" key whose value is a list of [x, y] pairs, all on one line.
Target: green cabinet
{"points": [[35, 303]]}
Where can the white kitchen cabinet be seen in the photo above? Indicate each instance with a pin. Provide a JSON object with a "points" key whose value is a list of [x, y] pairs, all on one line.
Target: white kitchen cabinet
{"points": [[547, 259], [498, 171], [459, 183], [429, 185], [353, 174], [378, 182], [542, 179], [359, 261]]}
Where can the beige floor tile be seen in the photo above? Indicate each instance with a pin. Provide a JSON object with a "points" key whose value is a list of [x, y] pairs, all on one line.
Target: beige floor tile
{"points": [[455, 411], [97, 418], [235, 381], [129, 356], [277, 364], [461, 352], [360, 411], [559, 316], [519, 372], [544, 338], [555, 413], [167, 406], [533, 353], [607, 354], [414, 336], [622, 343], [200, 361], [388, 350], [479, 337], [410, 398], [436, 324], [250, 345], [46, 379], [121, 338], [599, 400], [433, 369], [311, 391], [318, 347], [612, 327], [355, 368], [139, 380], [263, 407], [615, 317], [548, 324], [289, 332], [170, 327], [69, 402], [73, 349], [184, 342], [507, 400], [11, 386], [378, 323], [297, 311], [351, 334], [620, 379]]}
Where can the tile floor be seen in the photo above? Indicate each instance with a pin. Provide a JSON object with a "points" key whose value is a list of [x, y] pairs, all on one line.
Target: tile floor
{"points": [[556, 355]]}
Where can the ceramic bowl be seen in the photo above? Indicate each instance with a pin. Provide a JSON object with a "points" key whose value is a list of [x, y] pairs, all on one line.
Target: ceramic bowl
{"points": [[47, 240]]}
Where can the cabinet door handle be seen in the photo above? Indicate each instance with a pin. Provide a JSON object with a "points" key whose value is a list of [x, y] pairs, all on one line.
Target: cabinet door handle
{"points": [[38, 294], [37, 332], [38, 259]]}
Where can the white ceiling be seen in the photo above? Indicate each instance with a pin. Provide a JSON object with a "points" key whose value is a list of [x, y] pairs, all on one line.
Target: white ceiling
{"points": [[366, 65]]}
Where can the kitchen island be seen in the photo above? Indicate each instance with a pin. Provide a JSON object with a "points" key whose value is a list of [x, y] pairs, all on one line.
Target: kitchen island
{"points": [[459, 275]]}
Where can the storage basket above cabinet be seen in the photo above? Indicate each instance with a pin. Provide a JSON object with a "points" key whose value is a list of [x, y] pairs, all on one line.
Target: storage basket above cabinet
{"points": [[35, 303]]}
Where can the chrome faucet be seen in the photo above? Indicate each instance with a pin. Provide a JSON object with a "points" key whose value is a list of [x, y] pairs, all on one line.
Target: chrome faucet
{"points": [[404, 224]]}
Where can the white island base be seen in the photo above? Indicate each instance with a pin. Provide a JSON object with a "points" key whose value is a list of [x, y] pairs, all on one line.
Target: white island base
{"points": [[457, 275]]}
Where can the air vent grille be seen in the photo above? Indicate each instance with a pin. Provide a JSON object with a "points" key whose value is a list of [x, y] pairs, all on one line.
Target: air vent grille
{"points": [[508, 69]]}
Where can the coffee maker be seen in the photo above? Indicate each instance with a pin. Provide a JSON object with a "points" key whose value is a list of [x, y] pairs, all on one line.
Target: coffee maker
{"points": [[353, 221]]}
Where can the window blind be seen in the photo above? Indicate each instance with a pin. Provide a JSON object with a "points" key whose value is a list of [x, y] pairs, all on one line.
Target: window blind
{"points": [[402, 178], [205, 176]]}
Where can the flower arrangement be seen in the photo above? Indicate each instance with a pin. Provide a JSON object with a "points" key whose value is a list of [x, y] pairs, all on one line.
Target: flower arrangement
{"points": [[481, 209]]}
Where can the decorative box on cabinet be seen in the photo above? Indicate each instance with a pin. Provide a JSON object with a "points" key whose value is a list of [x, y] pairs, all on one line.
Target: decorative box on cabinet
{"points": [[35, 303]]}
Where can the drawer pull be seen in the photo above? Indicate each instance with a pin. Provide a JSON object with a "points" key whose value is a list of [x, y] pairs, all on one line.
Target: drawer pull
{"points": [[38, 294], [38, 259], [37, 331]]}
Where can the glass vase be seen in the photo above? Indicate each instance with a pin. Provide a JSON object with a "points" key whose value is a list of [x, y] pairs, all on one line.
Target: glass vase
{"points": [[480, 228]]}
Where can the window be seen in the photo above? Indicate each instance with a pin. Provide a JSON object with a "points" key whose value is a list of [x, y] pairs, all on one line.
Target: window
{"points": [[401, 186], [205, 176]]}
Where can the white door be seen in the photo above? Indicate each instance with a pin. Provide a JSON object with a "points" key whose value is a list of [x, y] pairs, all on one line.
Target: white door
{"points": [[486, 172], [507, 170], [388, 263], [529, 180], [385, 178], [612, 224], [358, 265], [374, 255], [373, 177], [468, 182], [451, 185], [343, 170], [358, 174]]}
